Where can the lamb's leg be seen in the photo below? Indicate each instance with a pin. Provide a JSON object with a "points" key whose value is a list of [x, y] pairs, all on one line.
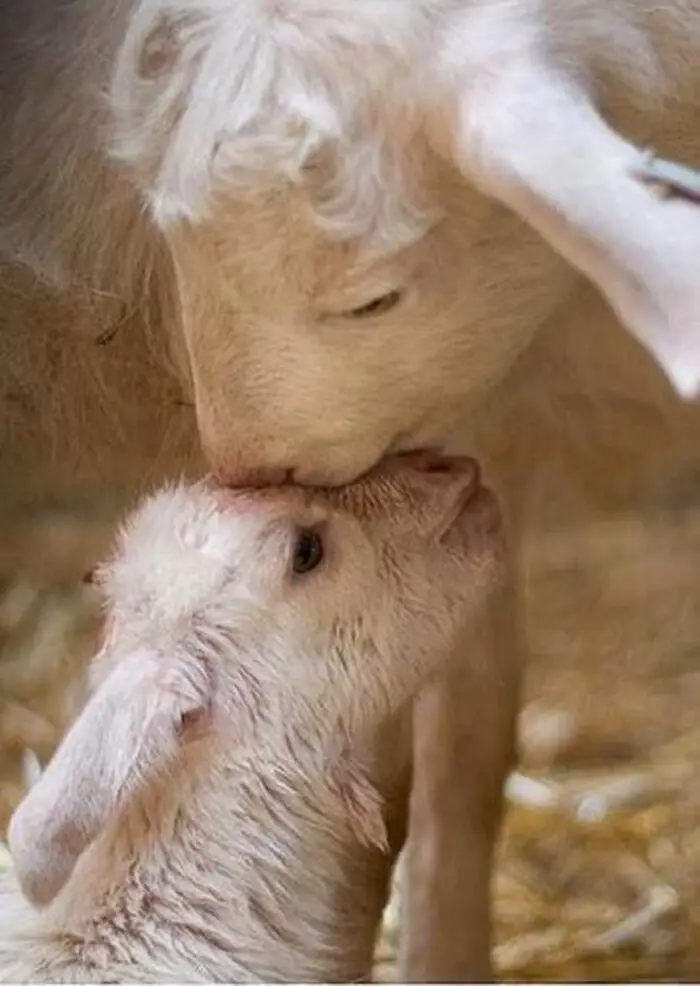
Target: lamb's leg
{"points": [[463, 748]]}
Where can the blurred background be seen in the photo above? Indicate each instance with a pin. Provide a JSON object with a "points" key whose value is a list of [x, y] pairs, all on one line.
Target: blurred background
{"points": [[599, 869]]}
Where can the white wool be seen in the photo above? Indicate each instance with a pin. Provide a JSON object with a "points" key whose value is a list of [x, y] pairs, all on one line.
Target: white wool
{"points": [[219, 756], [253, 93]]}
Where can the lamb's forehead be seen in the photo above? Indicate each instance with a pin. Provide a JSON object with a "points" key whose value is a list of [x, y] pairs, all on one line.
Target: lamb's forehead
{"points": [[182, 543], [388, 501], [179, 544], [192, 520]]}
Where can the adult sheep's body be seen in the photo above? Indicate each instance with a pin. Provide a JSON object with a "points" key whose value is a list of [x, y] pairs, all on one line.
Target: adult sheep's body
{"points": [[243, 223]]}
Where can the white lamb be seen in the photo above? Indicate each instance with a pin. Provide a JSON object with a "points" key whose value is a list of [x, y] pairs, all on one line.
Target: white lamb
{"points": [[189, 823]]}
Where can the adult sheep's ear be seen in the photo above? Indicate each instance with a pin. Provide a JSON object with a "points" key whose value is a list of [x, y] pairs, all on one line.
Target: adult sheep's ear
{"points": [[528, 133], [131, 728]]}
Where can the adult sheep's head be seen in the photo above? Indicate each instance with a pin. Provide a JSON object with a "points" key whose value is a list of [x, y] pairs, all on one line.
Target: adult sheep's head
{"points": [[343, 291]]}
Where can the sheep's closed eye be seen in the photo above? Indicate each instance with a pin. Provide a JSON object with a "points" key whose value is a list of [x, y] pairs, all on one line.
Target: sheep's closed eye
{"points": [[308, 552], [378, 306]]}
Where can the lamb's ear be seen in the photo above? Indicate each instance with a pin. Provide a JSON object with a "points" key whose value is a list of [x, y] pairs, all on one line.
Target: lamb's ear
{"points": [[531, 137], [131, 727]]}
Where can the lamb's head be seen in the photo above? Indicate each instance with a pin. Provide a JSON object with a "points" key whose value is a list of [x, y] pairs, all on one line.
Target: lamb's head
{"points": [[288, 593], [251, 621], [342, 291]]}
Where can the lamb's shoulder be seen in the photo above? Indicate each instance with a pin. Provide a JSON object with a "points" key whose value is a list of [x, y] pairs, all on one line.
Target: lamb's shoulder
{"points": [[122, 941]]}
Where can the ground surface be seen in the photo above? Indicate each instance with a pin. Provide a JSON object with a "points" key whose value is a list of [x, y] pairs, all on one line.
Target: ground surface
{"points": [[599, 875]]}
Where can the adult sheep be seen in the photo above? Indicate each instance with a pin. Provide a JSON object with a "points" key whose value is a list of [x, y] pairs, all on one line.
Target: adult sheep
{"points": [[304, 234]]}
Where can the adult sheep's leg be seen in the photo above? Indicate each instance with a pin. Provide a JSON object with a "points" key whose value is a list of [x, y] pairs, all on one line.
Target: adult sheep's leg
{"points": [[464, 743]]}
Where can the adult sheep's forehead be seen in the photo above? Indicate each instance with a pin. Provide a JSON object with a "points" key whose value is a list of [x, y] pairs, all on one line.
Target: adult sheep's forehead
{"points": [[258, 88]]}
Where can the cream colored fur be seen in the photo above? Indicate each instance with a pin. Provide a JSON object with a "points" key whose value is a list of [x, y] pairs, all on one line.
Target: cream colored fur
{"points": [[190, 825], [200, 199]]}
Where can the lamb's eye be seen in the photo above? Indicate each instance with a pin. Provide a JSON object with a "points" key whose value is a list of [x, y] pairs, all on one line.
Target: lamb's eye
{"points": [[378, 306], [308, 552]]}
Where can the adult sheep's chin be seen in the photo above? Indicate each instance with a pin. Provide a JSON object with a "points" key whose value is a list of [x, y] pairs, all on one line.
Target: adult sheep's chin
{"points": [[322, 449], [259, 466], [255, 477]]}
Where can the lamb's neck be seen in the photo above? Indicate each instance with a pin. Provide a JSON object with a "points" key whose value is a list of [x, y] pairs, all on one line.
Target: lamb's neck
{"points": [[261, 873], [306, 894]]}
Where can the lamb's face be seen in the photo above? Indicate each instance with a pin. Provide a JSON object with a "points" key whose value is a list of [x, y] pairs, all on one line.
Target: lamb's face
{"points": [[299, 587], [281, 622]]}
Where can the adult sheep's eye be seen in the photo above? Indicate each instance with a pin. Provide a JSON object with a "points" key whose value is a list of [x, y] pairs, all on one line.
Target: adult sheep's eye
{"points": [[308, 552], [378, 306]]}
